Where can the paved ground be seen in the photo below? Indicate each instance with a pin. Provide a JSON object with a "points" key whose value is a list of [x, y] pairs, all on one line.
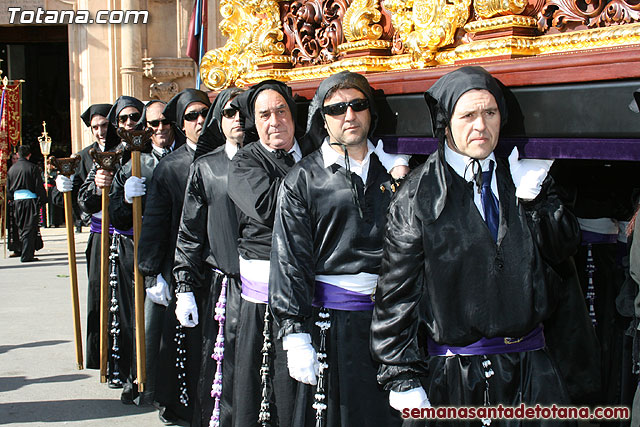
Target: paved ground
{"points": [[39, 382]]}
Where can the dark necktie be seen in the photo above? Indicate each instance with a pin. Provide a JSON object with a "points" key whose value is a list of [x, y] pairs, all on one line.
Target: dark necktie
{"points": [[165, 151], [490, 203], [288, 157]]}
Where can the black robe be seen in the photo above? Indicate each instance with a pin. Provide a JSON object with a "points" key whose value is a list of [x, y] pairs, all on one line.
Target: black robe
{"points": [[163, 204], [208, 239], [255, 175], [318, 230], [444, 277], [90, 202], [121, 216], [25, 175], [85, 196], [604, 189]]}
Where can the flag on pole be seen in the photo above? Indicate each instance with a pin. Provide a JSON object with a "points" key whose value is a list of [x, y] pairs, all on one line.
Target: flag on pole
{"points": [[197, 40]]}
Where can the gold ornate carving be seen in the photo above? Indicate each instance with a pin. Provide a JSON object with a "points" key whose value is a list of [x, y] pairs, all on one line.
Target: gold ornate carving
{"points": [[255, 35], [425, 26], [501, 22], [360, 21], [424, 34], [490, 8], [555, 43], [364, 44]]}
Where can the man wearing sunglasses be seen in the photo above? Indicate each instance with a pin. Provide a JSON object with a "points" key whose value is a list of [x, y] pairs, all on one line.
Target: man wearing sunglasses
{"points": [[89, 199], [162, 143], [326, 252], [207, 251], [105, 139], [163, 204]]}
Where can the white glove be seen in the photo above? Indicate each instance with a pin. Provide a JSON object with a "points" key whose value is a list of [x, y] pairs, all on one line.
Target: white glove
{"points": [[528, 175], [390, 161], [64, 184], [185, 308], [134, 187], [414, 398], [301, 358], [159, 293]]}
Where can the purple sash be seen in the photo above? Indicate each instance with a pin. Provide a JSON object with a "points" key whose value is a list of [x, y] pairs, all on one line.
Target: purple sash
{"points": [[96, 225], [258, 291], [337, 298], [592, 237], [128, 232], [534, 340]]}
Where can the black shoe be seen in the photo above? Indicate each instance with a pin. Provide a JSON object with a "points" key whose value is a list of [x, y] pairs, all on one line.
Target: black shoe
{"points": [[167, 416], [146, 399], [114, 383], [30, 260], [15, 255], [128, 394]]}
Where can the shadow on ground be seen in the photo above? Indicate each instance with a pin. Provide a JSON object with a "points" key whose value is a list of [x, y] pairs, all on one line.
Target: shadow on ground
{"points": [[7, 348], [66, 410], [14, 383]]}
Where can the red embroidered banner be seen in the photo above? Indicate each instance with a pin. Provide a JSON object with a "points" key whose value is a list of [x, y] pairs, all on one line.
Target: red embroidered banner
{"points": [[10, 132]]}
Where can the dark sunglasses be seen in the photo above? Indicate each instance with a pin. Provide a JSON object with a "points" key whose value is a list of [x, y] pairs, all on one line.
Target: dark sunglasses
{"points": [[156, 123], [229, 112], [133, 116], [194, 115], [341, 107]]}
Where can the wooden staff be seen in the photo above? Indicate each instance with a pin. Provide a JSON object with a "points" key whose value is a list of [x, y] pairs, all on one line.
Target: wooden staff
{"points": [[136, 141], [107, 161], [67, 167]]}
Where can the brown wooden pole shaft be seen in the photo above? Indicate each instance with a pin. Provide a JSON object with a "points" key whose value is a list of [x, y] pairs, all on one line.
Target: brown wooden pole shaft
{"points": [[139, 284], [4, 219], [73, 275], [104, 285]]}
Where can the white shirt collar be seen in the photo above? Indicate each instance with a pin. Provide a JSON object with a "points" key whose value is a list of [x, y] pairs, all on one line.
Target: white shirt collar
{"points": [[230, 149], [159, 149], [192, 144], [331, 156], [460, 162]]}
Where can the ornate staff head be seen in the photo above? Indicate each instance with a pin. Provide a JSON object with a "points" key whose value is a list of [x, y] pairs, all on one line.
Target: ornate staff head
{"points": [[106, 160], [66, 165], [135, 140]]}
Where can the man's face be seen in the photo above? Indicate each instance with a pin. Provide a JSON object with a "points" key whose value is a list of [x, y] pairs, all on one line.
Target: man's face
{"points": [[230, 124], [128, 117], [193, 118], [99, 126], [351, 127], [162, 130], [475, 125], [274, 121]]}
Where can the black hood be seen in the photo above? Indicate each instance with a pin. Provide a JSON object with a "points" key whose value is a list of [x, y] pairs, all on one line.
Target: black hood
{"points": [[316, 132], [444, 94], [212, 136], [142, 123], [103, 110], [93, 110], [246, 101], [176, 106], [121, 103]]}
